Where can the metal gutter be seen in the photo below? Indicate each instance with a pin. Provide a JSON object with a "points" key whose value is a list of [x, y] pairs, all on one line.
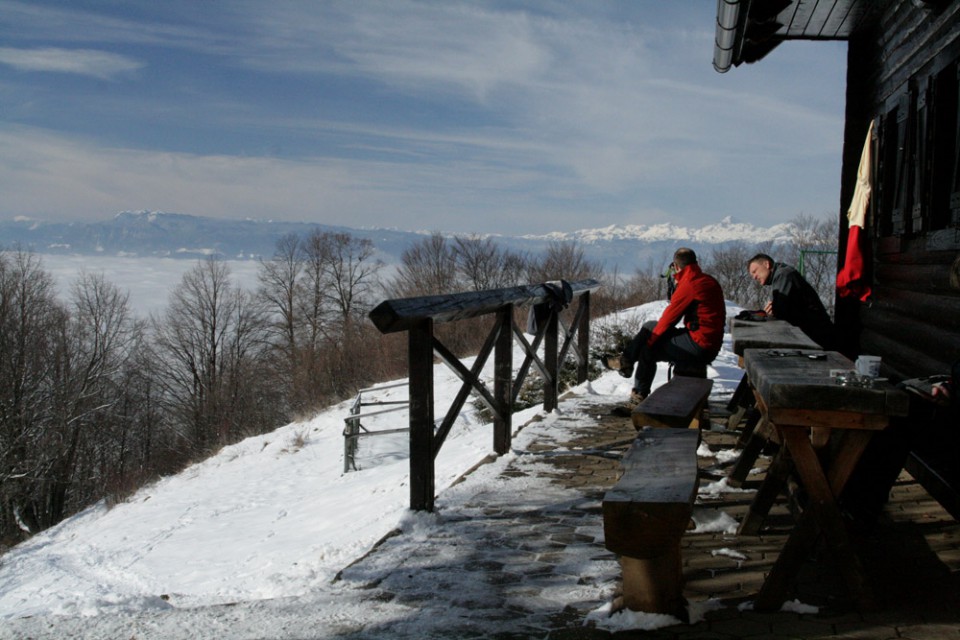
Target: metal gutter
{"points": [[730, 16]]}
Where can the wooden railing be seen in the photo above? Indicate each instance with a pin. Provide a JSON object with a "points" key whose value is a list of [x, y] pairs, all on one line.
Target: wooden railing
{"points": [[417, 316]]}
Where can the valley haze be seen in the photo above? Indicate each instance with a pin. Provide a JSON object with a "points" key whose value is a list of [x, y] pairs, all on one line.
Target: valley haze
{"points": [[147, 252], [181, 236]]}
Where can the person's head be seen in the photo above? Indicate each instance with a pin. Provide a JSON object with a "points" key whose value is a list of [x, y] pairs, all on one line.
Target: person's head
{"points": [[683, 257], [759, 267]]}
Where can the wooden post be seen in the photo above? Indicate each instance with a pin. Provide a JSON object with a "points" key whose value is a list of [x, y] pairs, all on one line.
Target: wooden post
{"points": [[551, 363], [503, 381], [350, 444], [421, 416], [583, 339]]}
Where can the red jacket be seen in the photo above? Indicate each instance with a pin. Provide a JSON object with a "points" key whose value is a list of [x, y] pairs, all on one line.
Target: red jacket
{"points": [[698, 299]]}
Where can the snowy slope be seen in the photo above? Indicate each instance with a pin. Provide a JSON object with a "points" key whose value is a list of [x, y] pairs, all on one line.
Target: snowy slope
{"points": [[263, 523]]}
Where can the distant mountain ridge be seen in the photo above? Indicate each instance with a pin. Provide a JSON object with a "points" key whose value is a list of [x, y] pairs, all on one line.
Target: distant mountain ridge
{"points": [[177, 235]]}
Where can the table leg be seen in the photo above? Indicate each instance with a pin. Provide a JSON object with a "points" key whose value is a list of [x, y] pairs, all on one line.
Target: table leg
{"points": [[820, 516], [751, 451], [773, 484], [740, 401], [752, 419]]}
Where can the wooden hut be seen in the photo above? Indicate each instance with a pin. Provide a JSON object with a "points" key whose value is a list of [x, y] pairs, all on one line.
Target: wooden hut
{"points": [[903, 78]]}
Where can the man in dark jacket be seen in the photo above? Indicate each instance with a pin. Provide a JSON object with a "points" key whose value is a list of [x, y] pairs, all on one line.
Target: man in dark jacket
{"points": [[698, 300], [794, 300]]}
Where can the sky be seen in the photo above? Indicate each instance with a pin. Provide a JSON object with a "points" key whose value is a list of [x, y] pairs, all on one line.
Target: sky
{"points": [[240, 529], [504, 117]]}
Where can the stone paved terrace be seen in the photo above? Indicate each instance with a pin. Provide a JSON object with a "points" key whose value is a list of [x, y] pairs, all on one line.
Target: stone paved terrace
{"points": [[541, 568]]}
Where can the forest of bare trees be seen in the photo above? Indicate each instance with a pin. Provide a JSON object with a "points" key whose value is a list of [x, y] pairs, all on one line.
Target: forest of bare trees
{"points": [[96, 401]]}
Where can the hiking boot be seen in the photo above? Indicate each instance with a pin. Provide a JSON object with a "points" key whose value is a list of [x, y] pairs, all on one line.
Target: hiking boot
{"points": [[619, 364], [625, 410]]}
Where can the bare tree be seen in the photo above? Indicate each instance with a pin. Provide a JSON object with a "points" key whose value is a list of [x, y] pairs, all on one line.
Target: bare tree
{"points": [[63, 380], [312, 293], [566, 261], [352, 272], [427, 267], [211, 331], [482, 264], [30, 318], [513, 269], [728, 264], [812, 250], [99, 337], [279, 282], [342, 273]]}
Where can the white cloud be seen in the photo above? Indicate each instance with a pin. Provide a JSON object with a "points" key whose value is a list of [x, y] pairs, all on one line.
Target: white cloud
{"points": [[50, 175], [87, 62], [424, 115]]}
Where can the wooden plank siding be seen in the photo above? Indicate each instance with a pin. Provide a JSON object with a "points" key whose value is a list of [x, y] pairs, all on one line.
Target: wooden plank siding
{"points": [[902, 73]]}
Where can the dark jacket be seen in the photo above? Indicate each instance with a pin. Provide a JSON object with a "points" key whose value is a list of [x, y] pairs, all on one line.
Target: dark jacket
{"points": [[698, 299], [795, 301]]}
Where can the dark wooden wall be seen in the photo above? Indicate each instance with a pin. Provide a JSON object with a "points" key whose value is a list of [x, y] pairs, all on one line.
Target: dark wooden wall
{"points": [[903, 75]]}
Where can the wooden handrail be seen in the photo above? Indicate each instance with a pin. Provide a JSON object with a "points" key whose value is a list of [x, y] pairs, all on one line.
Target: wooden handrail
{"points": [[402, 314], [418, 316]]}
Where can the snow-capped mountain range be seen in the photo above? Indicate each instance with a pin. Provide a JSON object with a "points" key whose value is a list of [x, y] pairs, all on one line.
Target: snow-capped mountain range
{"points": [[727, 230], [158, 234]]}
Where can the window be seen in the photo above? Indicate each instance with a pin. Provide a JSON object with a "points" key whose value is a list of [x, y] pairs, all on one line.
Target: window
{"points": [[917, 186], [945, 148]]}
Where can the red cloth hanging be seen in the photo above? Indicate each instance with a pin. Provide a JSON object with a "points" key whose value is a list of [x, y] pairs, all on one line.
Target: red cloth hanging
{"points": [[851, 280]]}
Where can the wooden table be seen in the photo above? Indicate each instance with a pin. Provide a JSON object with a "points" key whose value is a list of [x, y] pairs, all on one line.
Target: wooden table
{"points": [[769, 334], [809, 410]]}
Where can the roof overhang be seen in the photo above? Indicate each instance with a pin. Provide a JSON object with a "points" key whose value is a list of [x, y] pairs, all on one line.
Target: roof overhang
{"points": [[747, 30]]}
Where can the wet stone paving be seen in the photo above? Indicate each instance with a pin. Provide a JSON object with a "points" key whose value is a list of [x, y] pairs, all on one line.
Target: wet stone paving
{"points": [[538, 567]]}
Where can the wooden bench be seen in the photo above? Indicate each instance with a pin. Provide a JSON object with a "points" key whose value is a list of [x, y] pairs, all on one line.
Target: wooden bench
{"points": [[646, 513], [676, 404], [689, 369]]}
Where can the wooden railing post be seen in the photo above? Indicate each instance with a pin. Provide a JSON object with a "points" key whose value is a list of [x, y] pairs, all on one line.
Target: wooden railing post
{"points": [[421, 416], [551, 362], [503, 381], [583, 339]]}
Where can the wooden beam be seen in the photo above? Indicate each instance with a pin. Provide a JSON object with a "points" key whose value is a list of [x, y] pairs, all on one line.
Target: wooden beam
{"points": [[401, 314]]}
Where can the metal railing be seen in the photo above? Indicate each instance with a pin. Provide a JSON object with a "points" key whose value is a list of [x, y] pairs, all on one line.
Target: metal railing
{"points": [[354, 429]]}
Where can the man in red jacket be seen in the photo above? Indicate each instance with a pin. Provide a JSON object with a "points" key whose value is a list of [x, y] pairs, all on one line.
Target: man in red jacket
{"points": [[698, 301]]}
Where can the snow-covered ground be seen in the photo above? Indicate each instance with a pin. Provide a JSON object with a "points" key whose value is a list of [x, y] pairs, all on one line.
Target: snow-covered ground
{"points": [[264, 526]]}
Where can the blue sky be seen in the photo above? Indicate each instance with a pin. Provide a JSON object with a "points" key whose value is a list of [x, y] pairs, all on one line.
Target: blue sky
{"points": [[492, 117]]}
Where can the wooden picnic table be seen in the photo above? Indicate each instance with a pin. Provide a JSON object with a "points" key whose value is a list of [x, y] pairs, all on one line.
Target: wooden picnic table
{"points": [[809, 410], [747, 334], [769, 334]]}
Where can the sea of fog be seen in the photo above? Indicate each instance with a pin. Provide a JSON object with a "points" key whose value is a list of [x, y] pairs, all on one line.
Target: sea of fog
{"points": [[148, 280]]}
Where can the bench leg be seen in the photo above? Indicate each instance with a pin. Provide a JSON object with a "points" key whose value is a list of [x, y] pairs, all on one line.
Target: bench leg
{"points": [[654, 585]]}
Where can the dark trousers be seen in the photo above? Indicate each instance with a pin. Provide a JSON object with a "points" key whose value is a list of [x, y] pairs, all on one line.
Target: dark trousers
{"points": [[675, 345]]}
